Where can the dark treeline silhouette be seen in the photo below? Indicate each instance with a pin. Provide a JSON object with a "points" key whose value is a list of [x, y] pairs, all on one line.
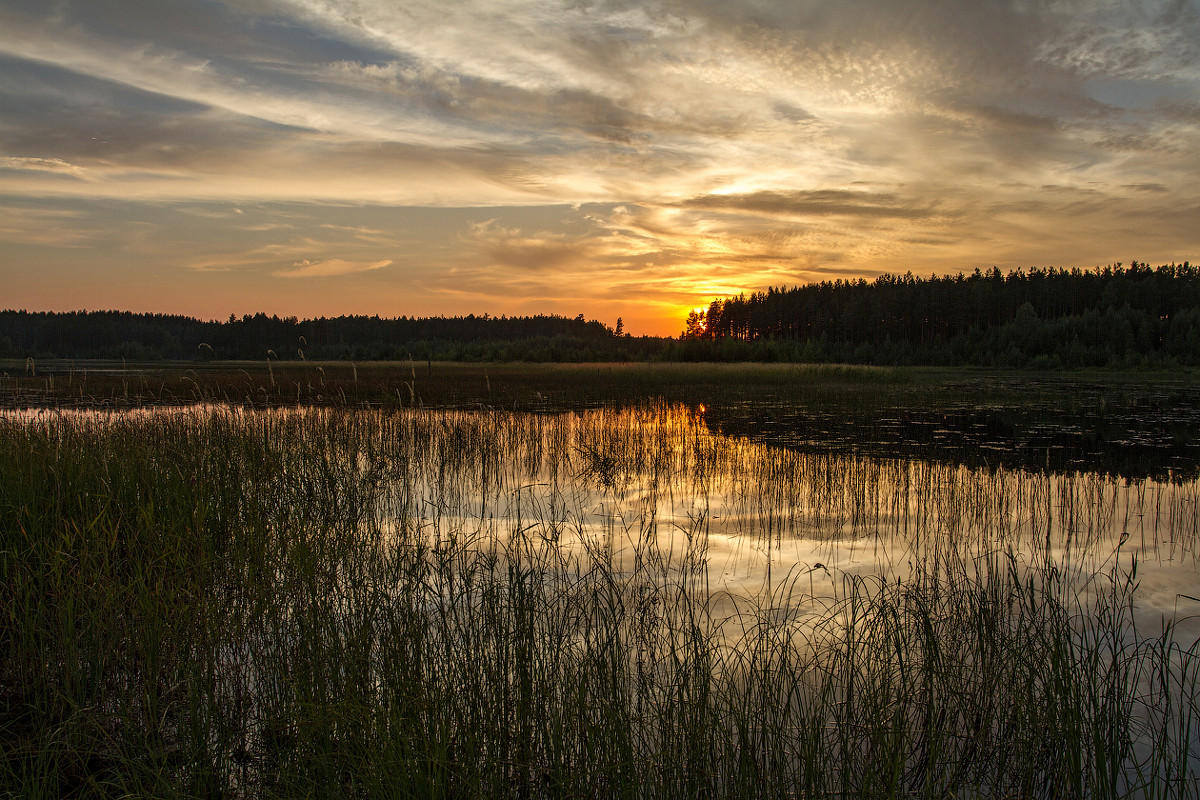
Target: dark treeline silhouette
{"points": [[1056, 318], [1042, 319], [122, 334]]}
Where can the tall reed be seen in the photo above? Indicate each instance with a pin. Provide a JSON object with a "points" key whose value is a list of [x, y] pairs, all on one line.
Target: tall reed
{"points": [[224, 603]]}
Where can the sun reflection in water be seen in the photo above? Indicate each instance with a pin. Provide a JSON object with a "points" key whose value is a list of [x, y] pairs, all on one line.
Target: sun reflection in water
{"points": [[655, 486]]}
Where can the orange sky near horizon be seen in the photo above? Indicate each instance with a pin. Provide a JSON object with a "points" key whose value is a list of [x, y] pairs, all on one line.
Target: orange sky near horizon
{"points": [[615, 159]]}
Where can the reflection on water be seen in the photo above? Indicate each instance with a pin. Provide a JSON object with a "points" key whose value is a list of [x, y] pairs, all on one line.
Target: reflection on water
{"points": [[758, 503], [664, 486]]}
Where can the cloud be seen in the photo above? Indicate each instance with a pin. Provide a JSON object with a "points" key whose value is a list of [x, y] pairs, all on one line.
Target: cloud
{"points": [[540, 251], [484, 103], [813, 203], [33, 164], [50, 227], [330, 267], [1157, 188]]}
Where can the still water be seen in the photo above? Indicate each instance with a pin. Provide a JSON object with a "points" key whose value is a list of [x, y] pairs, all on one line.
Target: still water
{"points": [[763, 522]]}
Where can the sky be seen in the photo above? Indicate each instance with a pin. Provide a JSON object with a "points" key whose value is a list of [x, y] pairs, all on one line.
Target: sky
{"points": [[611, 159]]}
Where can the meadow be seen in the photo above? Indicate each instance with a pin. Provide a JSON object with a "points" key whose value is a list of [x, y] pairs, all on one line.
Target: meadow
{"points": [[527, 586]]}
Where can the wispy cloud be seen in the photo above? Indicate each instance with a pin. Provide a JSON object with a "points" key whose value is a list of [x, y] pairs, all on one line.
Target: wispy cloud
{"points": [[37, 164], [331, 267], [814, 203]]}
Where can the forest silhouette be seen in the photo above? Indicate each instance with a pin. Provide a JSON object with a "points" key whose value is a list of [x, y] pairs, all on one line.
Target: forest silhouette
{"points": [[1116, 316]]}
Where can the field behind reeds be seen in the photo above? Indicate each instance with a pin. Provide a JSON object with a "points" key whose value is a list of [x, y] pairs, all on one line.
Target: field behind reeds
{"points": [[422, 384], [343, 603]]}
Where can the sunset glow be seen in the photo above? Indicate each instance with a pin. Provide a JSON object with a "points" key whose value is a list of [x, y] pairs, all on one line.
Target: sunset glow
{"points": [[633, 160]]}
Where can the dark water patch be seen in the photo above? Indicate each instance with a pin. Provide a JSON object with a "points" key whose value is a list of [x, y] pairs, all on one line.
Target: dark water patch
{"points": [[1145, 439]]}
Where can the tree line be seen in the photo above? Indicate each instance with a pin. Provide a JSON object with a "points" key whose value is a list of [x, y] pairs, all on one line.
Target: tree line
{"points": [[146, 337], [1039, 318], [1115, 316]]}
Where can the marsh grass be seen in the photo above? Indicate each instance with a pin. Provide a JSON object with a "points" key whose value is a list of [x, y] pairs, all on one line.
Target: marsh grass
{"points": [[336, 603], [272, 383], [1140, 424]]}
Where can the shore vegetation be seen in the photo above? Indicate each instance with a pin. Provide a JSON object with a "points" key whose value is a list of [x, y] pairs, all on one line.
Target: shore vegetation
{"points": [[225, 600]]}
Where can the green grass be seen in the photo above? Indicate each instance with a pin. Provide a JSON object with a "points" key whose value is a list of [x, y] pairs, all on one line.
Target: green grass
{"points": [[340, 603]]}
